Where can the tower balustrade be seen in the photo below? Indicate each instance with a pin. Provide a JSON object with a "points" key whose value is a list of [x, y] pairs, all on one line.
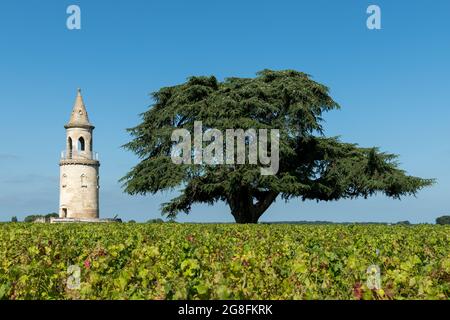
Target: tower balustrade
{"points": [[82, 155]]}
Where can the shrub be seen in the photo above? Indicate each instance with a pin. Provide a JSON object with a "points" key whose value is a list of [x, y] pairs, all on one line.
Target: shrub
{"points": [[443, 220], [46, 217]]}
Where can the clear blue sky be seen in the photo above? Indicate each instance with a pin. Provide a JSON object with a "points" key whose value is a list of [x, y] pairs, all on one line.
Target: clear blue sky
{"points": [[393, 85]]}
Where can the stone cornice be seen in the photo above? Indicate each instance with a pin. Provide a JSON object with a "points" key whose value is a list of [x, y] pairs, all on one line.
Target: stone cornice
{"points": [[83, 162], [84, 126]]}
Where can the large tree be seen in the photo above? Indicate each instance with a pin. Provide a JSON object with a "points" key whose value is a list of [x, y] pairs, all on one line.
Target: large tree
{"points": [[311, 166]]}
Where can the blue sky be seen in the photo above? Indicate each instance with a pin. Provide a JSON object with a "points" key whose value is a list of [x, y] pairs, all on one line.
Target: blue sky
{"points": [[393, 86]]}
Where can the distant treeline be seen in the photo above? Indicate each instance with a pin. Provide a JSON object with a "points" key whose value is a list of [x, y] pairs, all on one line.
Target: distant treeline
{"points": [[35, 217], [149, 221], [443, 220], [330, 222], [45, 217]]}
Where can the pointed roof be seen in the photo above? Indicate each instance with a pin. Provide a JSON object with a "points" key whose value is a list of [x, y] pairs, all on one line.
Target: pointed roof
{"points": [[79, 116]]}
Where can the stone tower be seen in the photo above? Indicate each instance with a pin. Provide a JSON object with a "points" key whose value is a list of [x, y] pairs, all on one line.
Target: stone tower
{"points": [[79, 167]]}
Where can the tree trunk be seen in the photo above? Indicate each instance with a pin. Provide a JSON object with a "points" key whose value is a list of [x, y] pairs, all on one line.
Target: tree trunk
{"points": [[244, 210]]}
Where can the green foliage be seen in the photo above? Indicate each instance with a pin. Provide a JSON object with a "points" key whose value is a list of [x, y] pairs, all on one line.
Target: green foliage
{"points": [[223, 261], [443, 220], [14, 219], [33, 217], [406, 222], [157, 220], [312, 166]]}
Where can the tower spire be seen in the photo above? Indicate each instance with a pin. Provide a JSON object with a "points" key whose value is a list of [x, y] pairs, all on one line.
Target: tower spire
{"points": [[79, 116]]}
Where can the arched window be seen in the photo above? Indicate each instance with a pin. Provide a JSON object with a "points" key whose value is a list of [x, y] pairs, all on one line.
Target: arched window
{"points": [[81, 144], [83, 181], [69, 147]]}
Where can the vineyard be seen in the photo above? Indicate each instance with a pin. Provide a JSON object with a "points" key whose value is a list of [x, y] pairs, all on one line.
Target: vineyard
{"points": [[189, 261]]}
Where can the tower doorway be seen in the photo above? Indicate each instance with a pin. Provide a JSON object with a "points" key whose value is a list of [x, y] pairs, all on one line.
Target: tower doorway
{"points": [[64, 212]]}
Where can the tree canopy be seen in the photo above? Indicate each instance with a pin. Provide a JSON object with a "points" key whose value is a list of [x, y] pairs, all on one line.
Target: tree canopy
{"points": [[311, 165], [443, 220], [34, 217]]}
